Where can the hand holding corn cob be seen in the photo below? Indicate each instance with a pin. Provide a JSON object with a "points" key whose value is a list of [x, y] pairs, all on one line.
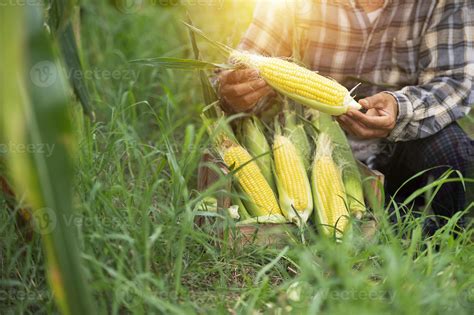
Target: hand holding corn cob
{"points": [[379, 120], [241, 89], [299, 84]]}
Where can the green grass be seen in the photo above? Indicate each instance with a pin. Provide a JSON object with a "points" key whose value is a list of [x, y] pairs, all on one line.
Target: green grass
{"points": [[135, 197]]}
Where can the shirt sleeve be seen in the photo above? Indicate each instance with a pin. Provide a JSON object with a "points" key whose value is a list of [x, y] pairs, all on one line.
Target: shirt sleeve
{"points": [[270, 32], [445, 90]]}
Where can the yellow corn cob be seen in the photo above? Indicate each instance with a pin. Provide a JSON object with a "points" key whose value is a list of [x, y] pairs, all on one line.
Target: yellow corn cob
{"points": [[345, 160], [251, 180], [292, 181], [300, 84], [251, 136], [328, 190], [294, 128]]}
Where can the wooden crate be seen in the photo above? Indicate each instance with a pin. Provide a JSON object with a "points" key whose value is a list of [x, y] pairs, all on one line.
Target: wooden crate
{"points": [[274, 234]]}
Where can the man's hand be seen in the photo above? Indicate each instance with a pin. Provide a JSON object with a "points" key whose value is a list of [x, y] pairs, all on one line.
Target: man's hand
{"points": [[377, 122], [240, 90]]}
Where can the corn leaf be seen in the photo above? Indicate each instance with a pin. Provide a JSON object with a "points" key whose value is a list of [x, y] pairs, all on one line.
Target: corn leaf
{"points": [[224, 49], [346, 161], [60, 21], [180, 63], [70, 52], [209, 94], [60, 13], [265, 219]]}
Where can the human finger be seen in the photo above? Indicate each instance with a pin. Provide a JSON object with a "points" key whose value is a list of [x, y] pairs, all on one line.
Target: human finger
{"points": [[376, 122], [248, 101], [375, 101], [238, 76], [233, 90], [359, 130]]}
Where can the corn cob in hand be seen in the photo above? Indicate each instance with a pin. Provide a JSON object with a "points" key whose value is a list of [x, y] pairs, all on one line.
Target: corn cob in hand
{"points": [[299, 84]]}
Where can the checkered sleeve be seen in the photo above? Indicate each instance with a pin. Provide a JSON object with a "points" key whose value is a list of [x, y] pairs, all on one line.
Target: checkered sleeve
{"points": [[269, 33], [445, 90]]}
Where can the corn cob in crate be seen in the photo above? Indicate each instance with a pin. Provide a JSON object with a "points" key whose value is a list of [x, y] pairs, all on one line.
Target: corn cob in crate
{"points": [[259, 199], [346, 162], [253, 139], [297, 135], [250, 178], [292, 180], [328, 190]]}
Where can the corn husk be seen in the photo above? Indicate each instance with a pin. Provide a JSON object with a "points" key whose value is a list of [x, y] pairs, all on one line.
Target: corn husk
{"points": [[328, 190], [287, 199], [347, 163], [252, 137]]}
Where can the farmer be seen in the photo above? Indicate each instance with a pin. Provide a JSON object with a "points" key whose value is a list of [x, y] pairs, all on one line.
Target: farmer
{"points": [[415, 60]]}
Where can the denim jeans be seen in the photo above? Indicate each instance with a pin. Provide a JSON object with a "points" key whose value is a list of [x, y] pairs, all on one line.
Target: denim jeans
{"points": [[450, 148]]}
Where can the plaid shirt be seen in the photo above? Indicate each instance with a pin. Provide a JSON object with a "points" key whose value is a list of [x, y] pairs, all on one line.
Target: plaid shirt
{"points": [[422, 52]]}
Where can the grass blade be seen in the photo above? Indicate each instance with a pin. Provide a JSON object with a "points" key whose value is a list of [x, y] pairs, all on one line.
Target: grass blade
{"points": [[270, 265]]}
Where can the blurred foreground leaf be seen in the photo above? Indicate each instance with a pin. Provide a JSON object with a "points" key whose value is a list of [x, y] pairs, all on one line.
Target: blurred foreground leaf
{"points": [[37, 134]]}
